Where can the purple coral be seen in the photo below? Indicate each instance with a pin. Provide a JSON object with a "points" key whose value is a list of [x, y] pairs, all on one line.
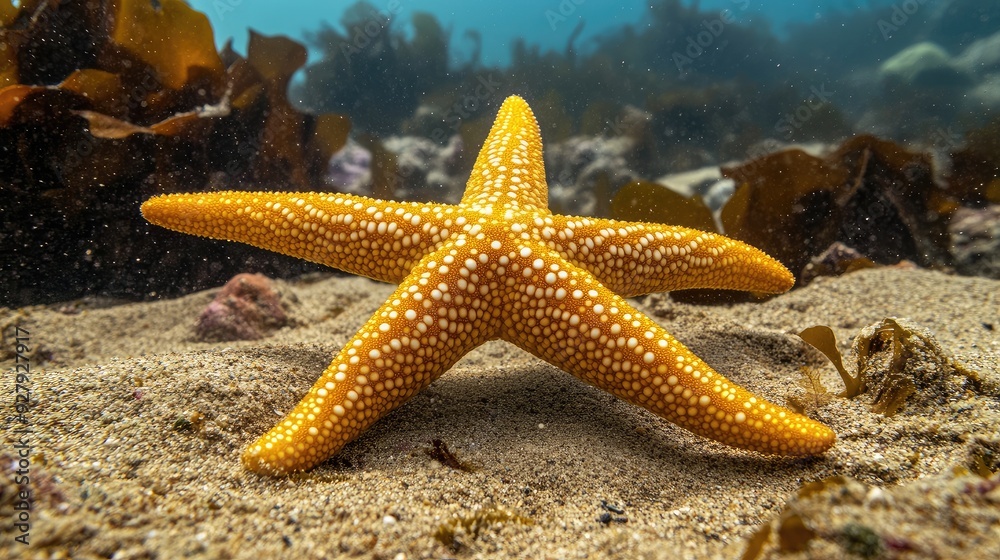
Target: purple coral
{"points": [[247, 308]]}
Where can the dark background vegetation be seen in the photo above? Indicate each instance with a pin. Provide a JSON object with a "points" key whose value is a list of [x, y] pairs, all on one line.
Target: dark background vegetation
{"points": [[100, 119]]}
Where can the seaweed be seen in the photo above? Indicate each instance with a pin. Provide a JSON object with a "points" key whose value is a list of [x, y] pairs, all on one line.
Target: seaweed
{"points": [[892, 394], [822, 338], [448, 533], [691, 124], [870, 202], [440, 453], [985, 463], [602, 197], [793, 533], [642, 201], [975, 170], [375, 72], [142, 29], [756, 543], [843, 517], [474, 132], [551, 111], [792, 527], [900, 361], [106, 103], [860, 540], [816, 394], [904, 363], [182, 425], [869, 194]]}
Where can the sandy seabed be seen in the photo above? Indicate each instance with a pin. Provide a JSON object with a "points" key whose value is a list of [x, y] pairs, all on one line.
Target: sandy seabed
{"points": [[137, 430]]}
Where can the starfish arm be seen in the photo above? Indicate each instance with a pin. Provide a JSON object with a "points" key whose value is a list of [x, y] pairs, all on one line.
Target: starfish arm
{"points": [[509, 171], [437, 315], [635, 258], [365, 236], [566, 317]]}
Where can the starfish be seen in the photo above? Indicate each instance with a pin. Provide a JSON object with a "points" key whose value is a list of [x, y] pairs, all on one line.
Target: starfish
{"points": [[501, 265]]}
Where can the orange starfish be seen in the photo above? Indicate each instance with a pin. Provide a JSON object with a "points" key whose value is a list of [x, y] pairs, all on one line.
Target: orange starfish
{"points": [[499, 265]]}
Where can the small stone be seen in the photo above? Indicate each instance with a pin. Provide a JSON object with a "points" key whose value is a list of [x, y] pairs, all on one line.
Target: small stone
{"points": [[975, 240], [247, 308]]}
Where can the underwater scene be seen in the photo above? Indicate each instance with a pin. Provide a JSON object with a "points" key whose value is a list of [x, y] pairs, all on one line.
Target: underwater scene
{"points": [[407, 279]]}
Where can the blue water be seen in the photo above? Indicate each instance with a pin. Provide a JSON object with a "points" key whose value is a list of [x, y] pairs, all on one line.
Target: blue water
{"points": [[546, 23]]}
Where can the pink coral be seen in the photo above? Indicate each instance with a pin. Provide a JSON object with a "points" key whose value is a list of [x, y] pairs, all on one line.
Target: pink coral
{"points": [[247, 308]]}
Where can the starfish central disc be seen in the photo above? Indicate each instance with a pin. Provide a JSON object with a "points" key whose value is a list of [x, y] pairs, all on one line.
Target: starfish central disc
{"points": [[499, 265]]}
